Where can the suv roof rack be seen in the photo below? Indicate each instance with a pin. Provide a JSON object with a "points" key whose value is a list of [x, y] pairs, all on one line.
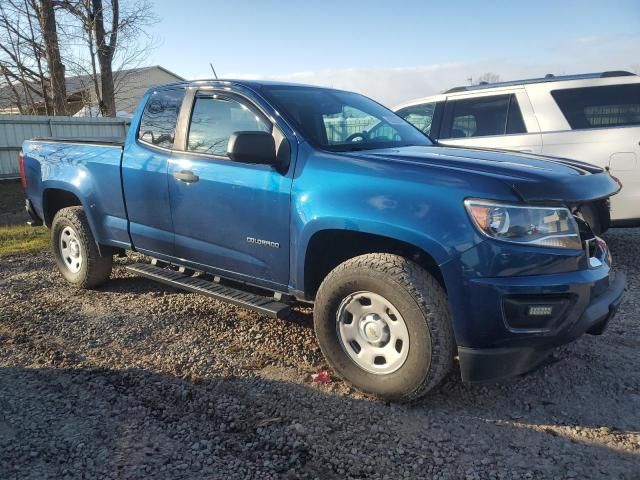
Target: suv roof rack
{"points": [[549, 77]]}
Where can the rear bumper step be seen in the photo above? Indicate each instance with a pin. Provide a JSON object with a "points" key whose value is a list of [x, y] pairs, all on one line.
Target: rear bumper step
{"points": [[259, 303]]}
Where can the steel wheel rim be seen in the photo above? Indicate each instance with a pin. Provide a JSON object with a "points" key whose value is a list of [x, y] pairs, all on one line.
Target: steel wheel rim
{"points": [[372, 332], [70, 250]]}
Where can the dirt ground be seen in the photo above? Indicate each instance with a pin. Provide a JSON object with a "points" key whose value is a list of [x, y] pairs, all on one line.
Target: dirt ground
{"points": [[137, 380]]}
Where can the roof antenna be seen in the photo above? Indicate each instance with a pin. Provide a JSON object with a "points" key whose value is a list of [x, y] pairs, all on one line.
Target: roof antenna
{"points": [[213, 70]]}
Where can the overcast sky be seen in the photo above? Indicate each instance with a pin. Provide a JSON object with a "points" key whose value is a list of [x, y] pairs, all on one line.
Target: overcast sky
{"points": [[395, 50]]}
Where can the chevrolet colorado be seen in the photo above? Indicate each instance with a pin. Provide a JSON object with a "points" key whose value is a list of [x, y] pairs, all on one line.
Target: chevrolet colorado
{"points": [[266, 194]]}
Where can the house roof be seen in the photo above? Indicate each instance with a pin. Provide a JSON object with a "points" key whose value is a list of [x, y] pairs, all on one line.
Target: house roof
{"points": [[77, 84]]}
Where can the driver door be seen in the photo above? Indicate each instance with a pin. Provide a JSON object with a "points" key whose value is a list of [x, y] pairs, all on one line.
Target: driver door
{"points": [[230, 218]]}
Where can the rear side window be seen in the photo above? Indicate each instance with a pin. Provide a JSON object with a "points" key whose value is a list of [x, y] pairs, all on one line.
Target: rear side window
{"points": [[420, 116], [214, 119], [600, 107], [158, 122], [482, 116]]}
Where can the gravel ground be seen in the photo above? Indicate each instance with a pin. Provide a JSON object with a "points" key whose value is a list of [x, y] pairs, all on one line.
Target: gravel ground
{"points": [[137, 380]]}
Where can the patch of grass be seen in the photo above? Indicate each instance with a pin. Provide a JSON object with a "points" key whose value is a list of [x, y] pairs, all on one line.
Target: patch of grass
{"points": [[22, 239]]}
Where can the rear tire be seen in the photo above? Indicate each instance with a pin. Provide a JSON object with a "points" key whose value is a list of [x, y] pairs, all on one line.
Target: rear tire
{"points": [[75, 250], [400, 299]]}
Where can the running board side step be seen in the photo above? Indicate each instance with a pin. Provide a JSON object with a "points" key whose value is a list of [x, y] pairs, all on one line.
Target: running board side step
{"points": [[259, 303]]}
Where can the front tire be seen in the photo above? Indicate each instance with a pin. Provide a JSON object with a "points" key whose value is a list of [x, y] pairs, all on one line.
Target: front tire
{"points": [[383, 324], [75, 250]]}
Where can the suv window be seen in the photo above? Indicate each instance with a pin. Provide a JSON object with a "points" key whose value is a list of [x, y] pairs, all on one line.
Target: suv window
{"points": [[215, 118], [420, 116], [158, 122], [483, 116], [600, 107]]}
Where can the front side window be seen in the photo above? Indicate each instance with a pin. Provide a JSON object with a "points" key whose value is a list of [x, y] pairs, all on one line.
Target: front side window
{"points": [[158, 122], [342, 121], [482, 116], [215, 118], [600, 107], [420, 116]]}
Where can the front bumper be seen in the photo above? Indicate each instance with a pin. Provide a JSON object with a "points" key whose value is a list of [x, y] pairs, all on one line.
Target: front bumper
{"points": [[527, 352]]}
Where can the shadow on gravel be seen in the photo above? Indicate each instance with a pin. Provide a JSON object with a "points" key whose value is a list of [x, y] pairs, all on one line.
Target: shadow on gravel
{"points": [[128, 285], [138, 424], [300, 314]]}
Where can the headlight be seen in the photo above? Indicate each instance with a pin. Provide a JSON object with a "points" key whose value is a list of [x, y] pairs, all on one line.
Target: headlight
{"points": [[543, 226]]}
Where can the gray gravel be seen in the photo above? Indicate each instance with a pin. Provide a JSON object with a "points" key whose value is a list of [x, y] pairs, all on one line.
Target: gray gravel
{"points": [[136, 380]]}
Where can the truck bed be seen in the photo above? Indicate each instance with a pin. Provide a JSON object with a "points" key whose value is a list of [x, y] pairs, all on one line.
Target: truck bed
{"points": [[110, 141], [89, 168]]}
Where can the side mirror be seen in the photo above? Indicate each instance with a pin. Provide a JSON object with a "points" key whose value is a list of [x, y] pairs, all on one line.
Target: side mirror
{"points": [[252, 147]]}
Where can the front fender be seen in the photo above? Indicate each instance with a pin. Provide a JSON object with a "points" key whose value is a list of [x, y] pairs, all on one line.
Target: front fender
{"points": [[439, 252], [399, 201]]}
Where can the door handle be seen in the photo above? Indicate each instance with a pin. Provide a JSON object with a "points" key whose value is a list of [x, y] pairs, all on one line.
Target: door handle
{"points": [[186, 176]]}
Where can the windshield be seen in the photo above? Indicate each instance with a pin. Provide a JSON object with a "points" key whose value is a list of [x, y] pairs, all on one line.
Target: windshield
{"points": [[343, 121]]}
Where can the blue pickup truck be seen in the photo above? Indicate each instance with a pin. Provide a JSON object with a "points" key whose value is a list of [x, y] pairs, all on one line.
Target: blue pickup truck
{"points": [[269, 194]]}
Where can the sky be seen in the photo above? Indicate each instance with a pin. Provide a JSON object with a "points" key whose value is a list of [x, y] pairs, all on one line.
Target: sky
{"points": [[394, 50]]}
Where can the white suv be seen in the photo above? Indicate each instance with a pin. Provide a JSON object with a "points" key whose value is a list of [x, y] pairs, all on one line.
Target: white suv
{"points": [[591, 117]]}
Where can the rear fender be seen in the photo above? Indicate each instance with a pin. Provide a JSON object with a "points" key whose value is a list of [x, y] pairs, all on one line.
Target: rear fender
{"points": [[84, 196]]}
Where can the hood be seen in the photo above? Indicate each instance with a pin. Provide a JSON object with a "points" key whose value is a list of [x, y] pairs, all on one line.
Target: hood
{"points": [[532, 177]]}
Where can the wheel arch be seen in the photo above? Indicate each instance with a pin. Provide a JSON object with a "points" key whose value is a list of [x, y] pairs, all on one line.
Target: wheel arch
{"points": [[329, 247], [57, 196], [55, 199]]}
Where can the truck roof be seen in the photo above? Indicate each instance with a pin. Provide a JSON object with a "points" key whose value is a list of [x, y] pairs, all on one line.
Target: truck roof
{"points": [[255, 84]]}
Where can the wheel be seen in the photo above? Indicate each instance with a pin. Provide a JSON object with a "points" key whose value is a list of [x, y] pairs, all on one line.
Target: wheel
{"points": [[75, 250], [383, 324]]}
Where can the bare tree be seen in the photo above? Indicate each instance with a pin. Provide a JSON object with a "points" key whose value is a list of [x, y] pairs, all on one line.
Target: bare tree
{"points": [[47, 19], [7, 85], [20, 58], [111, 31], [488, 77], [106, 42], [30, 61], [41, 40]]}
